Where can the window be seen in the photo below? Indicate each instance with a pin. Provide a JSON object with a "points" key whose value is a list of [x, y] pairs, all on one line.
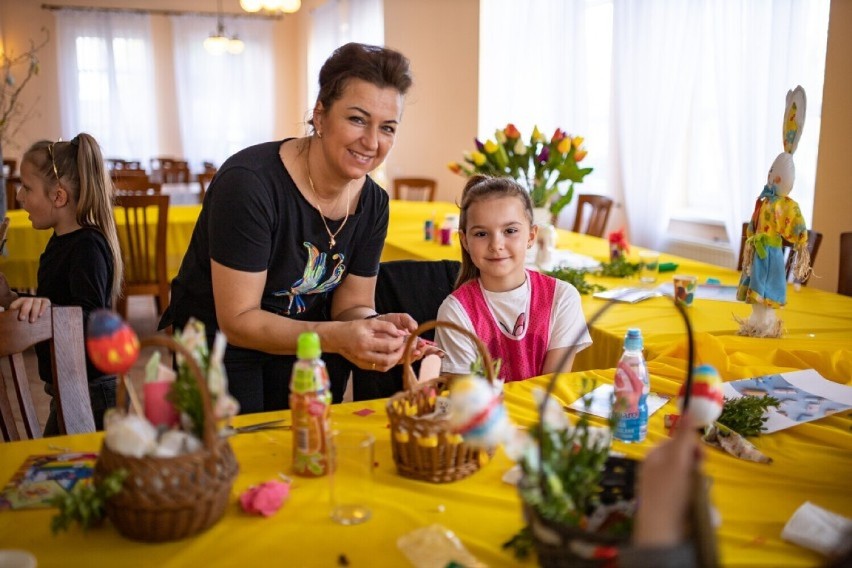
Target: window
{"points": [[681, 104]]}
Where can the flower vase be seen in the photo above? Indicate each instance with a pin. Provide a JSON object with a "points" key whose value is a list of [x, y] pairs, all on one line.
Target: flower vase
{"points": [[542, 251]]}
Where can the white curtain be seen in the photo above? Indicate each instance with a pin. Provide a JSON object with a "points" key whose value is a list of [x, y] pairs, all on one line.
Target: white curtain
{"points": [[223, 101], [654, 65], [336, 23], [106, 82]]}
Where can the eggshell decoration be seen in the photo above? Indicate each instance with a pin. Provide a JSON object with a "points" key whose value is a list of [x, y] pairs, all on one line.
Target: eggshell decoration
{"points": [[112, 345], [706, 399], [478, 413]]}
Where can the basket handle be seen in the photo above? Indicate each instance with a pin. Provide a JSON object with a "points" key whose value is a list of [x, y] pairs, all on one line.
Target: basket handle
{"points": [[409, 379], [169, 343]]}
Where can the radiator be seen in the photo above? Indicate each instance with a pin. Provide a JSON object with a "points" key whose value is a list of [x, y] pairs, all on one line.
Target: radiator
{"points": [[710, 252]]}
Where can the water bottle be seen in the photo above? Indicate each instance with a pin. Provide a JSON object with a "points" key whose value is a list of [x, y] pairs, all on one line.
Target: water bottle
{"points": [[631, 390], [310, 408]]}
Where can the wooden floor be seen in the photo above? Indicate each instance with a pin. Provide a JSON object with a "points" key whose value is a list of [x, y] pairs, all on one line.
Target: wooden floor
{"points": [[142, 315]]}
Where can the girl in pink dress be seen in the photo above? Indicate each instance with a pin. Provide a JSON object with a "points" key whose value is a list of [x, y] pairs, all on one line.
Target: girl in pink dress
{"points": [[526, 319]]}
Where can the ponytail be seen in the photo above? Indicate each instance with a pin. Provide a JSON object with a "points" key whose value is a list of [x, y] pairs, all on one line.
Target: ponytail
{"points": [[95, 202]]}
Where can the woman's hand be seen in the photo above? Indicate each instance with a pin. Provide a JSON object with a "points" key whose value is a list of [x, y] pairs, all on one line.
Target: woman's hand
{"points": [[372, 344], [30, 307]]}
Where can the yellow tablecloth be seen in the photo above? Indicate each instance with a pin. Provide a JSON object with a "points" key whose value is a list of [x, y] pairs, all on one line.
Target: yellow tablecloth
{"points": [[813, 462], [818, 324], [24, 244]]}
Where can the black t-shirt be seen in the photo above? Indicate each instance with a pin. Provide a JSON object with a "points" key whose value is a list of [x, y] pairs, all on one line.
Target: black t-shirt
{"points": [[254, 218], [75, 269]]}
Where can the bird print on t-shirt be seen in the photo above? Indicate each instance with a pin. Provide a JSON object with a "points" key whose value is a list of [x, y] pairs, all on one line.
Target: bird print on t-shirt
{"points": [[311, 281]]}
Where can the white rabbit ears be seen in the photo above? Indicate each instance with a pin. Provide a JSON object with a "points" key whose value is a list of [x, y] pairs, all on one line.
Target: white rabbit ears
{"points": [[794, 118]]}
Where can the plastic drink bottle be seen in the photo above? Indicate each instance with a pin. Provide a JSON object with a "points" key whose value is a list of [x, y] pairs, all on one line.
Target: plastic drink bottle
{"points": [[310, 408], [631, 390]]}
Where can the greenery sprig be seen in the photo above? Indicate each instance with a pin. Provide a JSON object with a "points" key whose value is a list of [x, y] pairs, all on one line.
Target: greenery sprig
{"points": [[576, 278], [745, 415], [85, 504], [618, 268]]}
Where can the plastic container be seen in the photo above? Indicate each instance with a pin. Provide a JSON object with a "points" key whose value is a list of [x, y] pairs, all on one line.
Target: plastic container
{"points": [[631, 390], [310, 408]]}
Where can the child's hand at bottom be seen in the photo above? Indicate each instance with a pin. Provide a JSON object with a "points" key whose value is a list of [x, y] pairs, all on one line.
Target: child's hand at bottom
{"points": [[30, 307]]}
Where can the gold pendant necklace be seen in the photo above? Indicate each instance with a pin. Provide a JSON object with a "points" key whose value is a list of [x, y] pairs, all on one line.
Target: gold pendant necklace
{"points": [[331, 236]]}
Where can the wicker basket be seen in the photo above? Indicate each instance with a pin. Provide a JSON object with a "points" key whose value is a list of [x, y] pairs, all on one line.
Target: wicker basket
{"points": [[425, 448], [167, 499], [562, 546]]}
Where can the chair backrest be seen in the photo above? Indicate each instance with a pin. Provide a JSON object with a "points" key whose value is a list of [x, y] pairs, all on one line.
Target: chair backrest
{"points": [[170, 170], [415, 287], [814, 242], [598, 207], [204, 179], [135, 185], [114, 164], [13, 182], [209, 167], [62, 326], [415, 189], [844, 279], [142, 221]]}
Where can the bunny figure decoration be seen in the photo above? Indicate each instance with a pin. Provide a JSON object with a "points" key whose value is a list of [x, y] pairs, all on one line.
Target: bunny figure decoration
{"points": [[776, 218]]}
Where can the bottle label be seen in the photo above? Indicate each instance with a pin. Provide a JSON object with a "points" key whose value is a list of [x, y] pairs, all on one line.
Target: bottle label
{"points": [[310, 408], [631, 402]]}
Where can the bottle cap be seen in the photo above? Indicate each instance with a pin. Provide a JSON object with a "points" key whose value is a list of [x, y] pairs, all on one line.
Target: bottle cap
{"points": [[633, 339], [308, 346]]}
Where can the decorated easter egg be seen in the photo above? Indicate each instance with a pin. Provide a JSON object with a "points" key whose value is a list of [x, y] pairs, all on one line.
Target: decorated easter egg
{"points": [[477, 412], [706, 399], [112, 345]]}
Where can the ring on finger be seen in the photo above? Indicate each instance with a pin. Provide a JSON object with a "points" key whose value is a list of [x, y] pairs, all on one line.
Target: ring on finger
{"points": [[373, 366]]}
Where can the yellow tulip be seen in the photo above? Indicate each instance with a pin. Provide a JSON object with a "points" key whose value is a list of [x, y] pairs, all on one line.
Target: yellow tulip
{"points": [[500, 136], [577, 141], [537, 135], [478, 158], [564, 145], [490, 146]]}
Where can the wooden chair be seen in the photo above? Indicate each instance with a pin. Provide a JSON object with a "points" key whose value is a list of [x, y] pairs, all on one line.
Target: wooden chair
{"points": [[169, 170], [62, 326], [136, 185], [13, 182], [143, 248], [209, 167], [814, 241], [415, 189], [204, 179], [844, 280], [600, 206], [117, 164]]}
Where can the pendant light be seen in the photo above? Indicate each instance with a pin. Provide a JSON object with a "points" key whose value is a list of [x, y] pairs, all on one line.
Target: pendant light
{"points": [[271, 6], [218, 43]]}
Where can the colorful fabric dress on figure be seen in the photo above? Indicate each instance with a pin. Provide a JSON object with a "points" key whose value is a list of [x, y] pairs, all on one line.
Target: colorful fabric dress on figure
{"points": [[776, 218]]}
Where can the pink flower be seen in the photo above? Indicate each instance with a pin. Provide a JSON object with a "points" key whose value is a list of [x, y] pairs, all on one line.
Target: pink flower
{"points": [[264, 499]]}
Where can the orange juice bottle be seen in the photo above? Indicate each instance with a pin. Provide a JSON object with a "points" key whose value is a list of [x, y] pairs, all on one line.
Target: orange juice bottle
{"points": [[310, 408]]}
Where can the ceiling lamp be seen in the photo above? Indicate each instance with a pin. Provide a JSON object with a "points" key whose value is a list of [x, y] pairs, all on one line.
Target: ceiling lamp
{"points": [[219, 43], [271, 6]]}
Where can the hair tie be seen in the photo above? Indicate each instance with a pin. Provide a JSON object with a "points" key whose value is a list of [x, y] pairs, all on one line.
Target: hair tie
{"points": [[75, 141]]}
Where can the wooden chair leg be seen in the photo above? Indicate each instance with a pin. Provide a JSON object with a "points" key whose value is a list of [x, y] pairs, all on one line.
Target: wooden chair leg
{"points": [[121, 307]]}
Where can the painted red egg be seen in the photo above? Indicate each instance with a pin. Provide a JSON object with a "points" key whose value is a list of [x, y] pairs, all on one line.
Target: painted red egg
{"points": [[112, 345]]}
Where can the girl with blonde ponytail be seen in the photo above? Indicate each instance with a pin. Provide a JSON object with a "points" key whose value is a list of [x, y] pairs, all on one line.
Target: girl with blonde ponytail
{"points": [[65, 187]]}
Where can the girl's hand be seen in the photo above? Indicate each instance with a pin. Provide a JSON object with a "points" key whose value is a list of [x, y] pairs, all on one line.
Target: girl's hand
{"points": [[403, 322], [30, 307]]}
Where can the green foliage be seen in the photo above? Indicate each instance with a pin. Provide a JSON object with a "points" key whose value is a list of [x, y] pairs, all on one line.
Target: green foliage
{"points": [[521, 544], [618, 268], [744, 415], [562, 477], [186, 398], [576, 278], [478, 367], [85, 504]]}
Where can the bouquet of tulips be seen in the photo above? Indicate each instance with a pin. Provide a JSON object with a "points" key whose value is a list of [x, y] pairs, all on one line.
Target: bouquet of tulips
{"points": [[536, 163]]}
